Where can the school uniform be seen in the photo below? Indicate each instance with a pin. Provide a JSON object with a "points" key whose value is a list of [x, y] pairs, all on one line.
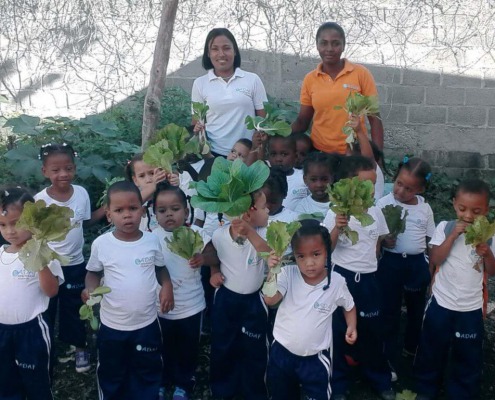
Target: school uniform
{"points": [[310, 206], [239, 321], [404, 270], [379, 184], [71, 329], [453, 321], [129, 340], [24, 333], [297, 189], [300, 356], [358, 264], [181, 326]]}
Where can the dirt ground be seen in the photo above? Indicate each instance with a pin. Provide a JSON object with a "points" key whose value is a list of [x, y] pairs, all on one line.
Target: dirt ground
{"points": [[70, 385]]}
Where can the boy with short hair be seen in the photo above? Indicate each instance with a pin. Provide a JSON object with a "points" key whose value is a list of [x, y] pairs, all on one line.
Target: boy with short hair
{"points": [[453, 316]]}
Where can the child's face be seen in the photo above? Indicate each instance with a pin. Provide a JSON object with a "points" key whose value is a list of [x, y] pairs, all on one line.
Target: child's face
{"points": [[258, 214], [406, 187], [281, 155], [317, 180], [302, 150], [143, 173], [311, 256], [125, 212], [170, 211], [16, 237], [468, 206], [60, 170], [273, 201], [238, 151]]}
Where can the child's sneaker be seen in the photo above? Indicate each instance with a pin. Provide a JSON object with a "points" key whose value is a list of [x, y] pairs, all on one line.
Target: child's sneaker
{"points": [[180, 394], [161, 394], [82, 361]]}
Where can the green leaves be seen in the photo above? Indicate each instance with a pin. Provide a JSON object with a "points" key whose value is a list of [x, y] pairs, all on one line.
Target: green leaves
{"points": [[352, 197], [272, 124], [200, 110], [47, 224], [406, 395], [227, 189], [159, 155], [103, 199], [395, 221], [316, 215], [480, 231], [185, 242], [86, 311]]}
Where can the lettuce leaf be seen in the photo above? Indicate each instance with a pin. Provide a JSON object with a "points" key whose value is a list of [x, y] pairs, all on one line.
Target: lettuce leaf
{"points": [[159, 155], [47, 224], [480, 231], [227, 190], [396, 222], [272, 124], [86, 310], [200, 110], [185, 242], [352, 197]]}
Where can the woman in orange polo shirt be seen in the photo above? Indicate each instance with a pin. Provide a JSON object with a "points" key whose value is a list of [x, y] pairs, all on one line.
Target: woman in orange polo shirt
{"points": [[328, 86]]}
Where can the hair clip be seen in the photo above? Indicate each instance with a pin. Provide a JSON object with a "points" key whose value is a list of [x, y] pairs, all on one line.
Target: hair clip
{"points": [[6, 194], [64, 144], [128, 162], [75, 154], [39, 157], [45, 153], [45, 145], [428, 176], [405, 160], [4, 213]]}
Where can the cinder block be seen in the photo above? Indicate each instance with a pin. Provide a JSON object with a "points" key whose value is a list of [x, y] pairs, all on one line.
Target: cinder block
{"points": [[393, 113], [491, 160], [491, 117], [445, 96], [464, 159], [184, 83], [420, 78], [450, 80], [191, 69], [472, 173], [383, 74], [431, 156], [382, 93], [489, 83], [427, 115], [480, 97], [405, 94], [467, 116]]}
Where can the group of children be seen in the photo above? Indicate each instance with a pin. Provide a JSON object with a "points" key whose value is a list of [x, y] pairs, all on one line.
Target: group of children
{"points": [[339, 304]]}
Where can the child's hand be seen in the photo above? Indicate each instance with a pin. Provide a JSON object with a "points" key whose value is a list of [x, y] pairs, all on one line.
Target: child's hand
{"points": [[240, 227], [483, 250], [197, 261], [460, 228], [389, 241], [173, 179], [341, 221], [199, 127], [354, 122], [166, 297], [159, 175], [217, 280], [85, 295], [273, 260], [259, 139], [351, 335]]}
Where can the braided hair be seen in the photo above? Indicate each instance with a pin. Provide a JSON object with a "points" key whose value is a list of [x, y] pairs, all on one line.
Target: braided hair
{"points": [[51, 149], [13, 195]]}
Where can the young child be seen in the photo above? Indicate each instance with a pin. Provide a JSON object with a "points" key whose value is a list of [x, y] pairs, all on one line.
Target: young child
{"points": [[129, 340], [357, 264], [453, 320], [58, 165], [24, 296], [275, 190], [240, 150], [403, 269], [180, 326], [318, 170], [282, 156], [304, 146], [239, 316], [309, 293]]}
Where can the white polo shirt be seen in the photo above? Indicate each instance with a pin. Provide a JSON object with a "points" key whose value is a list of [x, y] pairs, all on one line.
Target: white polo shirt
{"points": [[310, 206], [285, 215], [230, 103], [297, 190], [304, 318]]}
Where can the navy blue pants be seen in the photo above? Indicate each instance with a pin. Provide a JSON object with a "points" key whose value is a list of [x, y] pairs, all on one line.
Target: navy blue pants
{"points": [[462, 334], [24, 361], [129, 363], [368, 349], [71, 329], [400, 276], [289, 374], [180, 351], [239, 348]]}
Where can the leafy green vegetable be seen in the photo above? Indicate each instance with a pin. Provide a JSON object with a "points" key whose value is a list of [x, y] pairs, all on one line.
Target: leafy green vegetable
{"points": [[201, 145], [352, 197], [86, 311], [395, 221], [316, 215], [406, 395], [480, 231], [159, 155], [47, 224], [278, 237], [272, 124], [227, 190], [185, 242], [360, 105], [199, 111], [103, 199]]}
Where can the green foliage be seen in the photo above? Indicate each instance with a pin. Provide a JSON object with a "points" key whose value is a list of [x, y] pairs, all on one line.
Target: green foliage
{"points": [[199, 111], [316, 215], [406, 395], [272, 124], [185, 242], [352, 197], [396, 222], [86, 311], [480, 231], [228, 188], [47, 224], [103, 199]]}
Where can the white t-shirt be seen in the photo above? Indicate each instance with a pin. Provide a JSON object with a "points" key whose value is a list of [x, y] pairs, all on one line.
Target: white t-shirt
{"points": [[360, 257], [230, 103], [286, 215], [129, 269], [458, 286], [189, 297], [310, 206], [297, 190], [304, 318], [380, 183], [21, 297], [419, 225], [240, 264], [211, 222], [72, 246], [198, 165]]}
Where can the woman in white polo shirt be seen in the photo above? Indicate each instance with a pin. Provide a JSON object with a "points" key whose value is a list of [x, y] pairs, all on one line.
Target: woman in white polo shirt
{"points": [[231, 93]]}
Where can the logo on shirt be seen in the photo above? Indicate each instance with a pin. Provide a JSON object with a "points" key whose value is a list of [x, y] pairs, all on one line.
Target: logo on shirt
{"points": [[371, 314], [322, 307], [23, 274], [349, 86], [244, 91], [145, 261], [303, 191], [421, 223], [75, 286], [254, 260], [373, 233], [250, 334], [23, 365], [145, 349], [460, 335]]}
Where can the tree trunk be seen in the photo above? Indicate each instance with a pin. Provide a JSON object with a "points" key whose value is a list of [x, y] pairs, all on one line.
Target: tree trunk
{"points": [[152, 101]]}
